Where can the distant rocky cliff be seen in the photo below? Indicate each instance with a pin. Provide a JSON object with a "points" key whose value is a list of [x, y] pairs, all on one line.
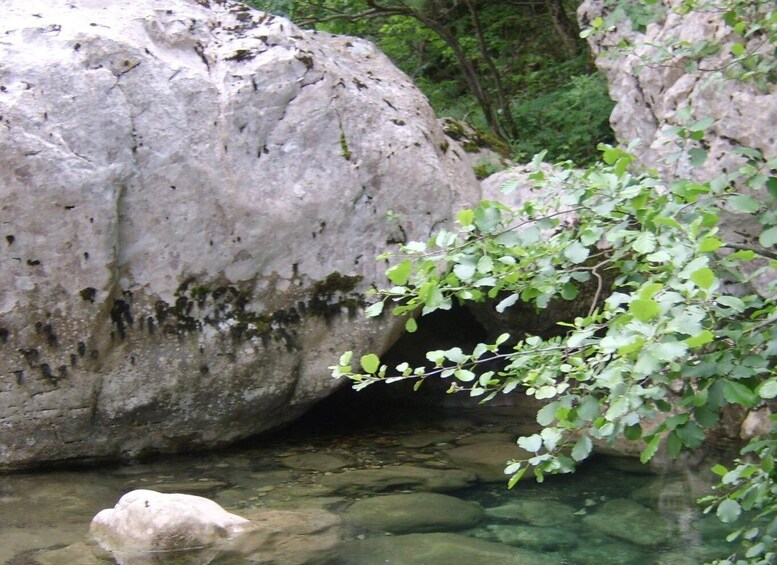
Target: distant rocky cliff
{"points": [[192, 197]]}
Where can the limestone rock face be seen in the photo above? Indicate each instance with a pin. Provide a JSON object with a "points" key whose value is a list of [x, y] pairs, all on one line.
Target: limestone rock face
{"points": [[648, 96], [652, 99], [192, 199]]}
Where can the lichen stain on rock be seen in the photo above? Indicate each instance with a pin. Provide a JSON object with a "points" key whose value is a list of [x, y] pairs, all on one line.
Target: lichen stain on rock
{"points": [[227, 309]]}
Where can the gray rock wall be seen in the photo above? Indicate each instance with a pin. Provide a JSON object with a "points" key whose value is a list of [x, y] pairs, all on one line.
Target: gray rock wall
{"points": [[654, 98], [192, 195], [649, 95]]}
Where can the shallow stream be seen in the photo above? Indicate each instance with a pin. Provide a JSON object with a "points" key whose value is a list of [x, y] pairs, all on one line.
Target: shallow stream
{"points": [[340, 462]]}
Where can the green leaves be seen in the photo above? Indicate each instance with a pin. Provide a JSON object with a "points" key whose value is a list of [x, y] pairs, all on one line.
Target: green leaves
{"points": [[576, 252], [644, 243], [370, 363], [398, 274], [663, 337], [644, 310], [704, 277], [729, 511], [738, 393], [743, 203], [768, 237]]}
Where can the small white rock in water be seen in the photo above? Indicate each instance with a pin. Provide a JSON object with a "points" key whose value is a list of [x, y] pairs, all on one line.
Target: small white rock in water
{"points": [[146, 521]]}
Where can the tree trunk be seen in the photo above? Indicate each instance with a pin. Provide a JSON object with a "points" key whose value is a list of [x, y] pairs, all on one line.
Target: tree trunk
{"points": [[504, 103], [471, 77], [567, 30]]}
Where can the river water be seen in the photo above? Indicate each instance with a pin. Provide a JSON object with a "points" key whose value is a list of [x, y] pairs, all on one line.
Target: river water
{"points": [[339, 458]]}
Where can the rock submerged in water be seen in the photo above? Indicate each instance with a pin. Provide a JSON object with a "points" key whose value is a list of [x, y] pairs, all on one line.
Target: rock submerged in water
{"points": [[540, 512], [438, 549], [414, 512], [630, 521], [395, 476], [486, 460], [150, 527], [147, 522]]}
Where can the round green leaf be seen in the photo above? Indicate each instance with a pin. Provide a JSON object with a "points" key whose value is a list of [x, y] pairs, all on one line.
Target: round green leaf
{"points": [[374, 309], [644, 310], [398, 274], [370, 363], [728, 511], [582, 448], [466, 217], [345, 358], [704, 277], [531, 443], [700, 339], [768, 237], [767, 389]]}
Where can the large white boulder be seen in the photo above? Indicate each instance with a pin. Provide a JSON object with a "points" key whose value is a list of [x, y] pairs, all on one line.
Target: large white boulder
{"points": [[193, 194]]}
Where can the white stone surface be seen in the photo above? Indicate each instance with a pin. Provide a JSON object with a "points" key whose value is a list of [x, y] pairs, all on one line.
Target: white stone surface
{"points": [[177, 181], [145, 522]]}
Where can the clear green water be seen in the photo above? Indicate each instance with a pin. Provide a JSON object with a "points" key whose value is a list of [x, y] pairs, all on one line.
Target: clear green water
{"points": [[41, 512]]}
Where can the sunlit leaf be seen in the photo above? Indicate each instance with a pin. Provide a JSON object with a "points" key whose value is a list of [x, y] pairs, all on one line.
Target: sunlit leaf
{"points": [[374, 309], [398, 274], [532, 443], [576, 252], [704, 277], [644, 310], [582, 448], [370, 363], [465, 217], [507, 302]]}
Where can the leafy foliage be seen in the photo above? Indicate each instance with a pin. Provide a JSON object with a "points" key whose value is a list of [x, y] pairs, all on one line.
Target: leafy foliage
{"points": [[665, 344], [567, 122]]}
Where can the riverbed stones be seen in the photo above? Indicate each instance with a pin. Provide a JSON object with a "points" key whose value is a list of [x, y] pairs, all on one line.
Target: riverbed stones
{"points": [[395, 476], [629, 521], [80, 553], [537, 512], [198, 487], [193, 195], [532, 537], [438, 549], [413, 512], [490, 437], [321, 462], [425, 439], [598, 550], [288, 537], [486, 460]]}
